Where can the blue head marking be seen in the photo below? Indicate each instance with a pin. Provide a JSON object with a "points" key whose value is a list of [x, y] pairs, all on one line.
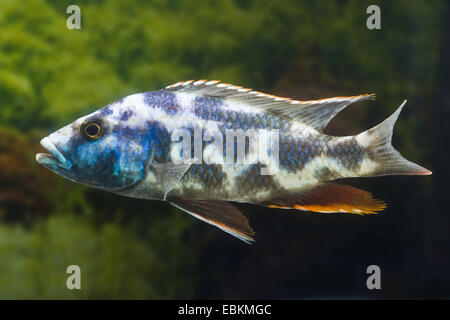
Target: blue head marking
{"points": [[160, 138], [113, 160]]}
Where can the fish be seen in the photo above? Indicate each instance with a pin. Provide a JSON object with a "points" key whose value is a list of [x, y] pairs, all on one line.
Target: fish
{"points": [[203, 145]]}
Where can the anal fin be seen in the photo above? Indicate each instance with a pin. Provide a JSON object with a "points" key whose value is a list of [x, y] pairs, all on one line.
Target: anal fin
{"points": [[220, 214], [330, 197]]}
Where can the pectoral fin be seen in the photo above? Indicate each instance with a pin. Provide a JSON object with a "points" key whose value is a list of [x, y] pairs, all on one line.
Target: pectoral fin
{"points": [[330, 197], [220, 214], [170, 174]]}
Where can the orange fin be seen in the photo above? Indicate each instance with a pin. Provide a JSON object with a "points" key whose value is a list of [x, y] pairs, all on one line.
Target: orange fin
{"points": [[330, 197], [218, 213]]}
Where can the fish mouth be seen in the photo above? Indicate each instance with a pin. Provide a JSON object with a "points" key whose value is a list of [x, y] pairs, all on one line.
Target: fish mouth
{"points": [[52, 159]]}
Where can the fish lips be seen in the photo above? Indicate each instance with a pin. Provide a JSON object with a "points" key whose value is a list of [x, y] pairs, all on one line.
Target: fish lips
{"points": [[54, 160]]}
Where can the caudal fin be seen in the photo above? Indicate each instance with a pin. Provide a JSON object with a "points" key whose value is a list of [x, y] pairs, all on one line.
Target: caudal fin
{"points": [[377, 142]]}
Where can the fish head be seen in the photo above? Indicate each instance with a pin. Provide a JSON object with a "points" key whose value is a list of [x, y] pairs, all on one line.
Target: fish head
{"points": [[107, 149]]}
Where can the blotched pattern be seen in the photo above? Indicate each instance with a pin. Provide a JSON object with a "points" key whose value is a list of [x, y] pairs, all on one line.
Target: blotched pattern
{"points": [[250, 181], [164, 100], [349, 153], [210, 175]]}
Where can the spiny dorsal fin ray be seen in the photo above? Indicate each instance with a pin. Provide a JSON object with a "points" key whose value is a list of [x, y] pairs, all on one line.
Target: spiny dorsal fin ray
{"points": [[315, 113], [218, 213], [330, 197]]}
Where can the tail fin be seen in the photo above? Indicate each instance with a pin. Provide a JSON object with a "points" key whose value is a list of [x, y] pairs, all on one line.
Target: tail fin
{"points": [[377, 142]]}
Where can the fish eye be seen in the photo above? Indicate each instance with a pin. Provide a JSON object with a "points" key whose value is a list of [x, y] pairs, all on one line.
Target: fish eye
{"points": [[93, 129]]}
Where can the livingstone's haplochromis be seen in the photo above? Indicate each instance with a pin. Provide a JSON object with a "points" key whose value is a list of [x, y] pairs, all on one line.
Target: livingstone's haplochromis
{"points": [[128, 148]]}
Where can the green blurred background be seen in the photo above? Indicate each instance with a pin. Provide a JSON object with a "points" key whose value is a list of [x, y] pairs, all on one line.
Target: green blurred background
{"points": [[133, 249]]}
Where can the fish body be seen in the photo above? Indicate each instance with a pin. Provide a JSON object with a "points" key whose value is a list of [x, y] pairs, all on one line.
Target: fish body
{"points": [[202, 144]]}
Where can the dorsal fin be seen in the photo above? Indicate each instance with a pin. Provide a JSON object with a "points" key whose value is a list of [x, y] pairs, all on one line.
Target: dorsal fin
{"points": [[315, 113]]}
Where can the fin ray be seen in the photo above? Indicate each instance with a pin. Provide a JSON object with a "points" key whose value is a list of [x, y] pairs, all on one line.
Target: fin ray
{"points": [[170, 174], [220, 214], [377, 142], [315, 113], [330, 198]]}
